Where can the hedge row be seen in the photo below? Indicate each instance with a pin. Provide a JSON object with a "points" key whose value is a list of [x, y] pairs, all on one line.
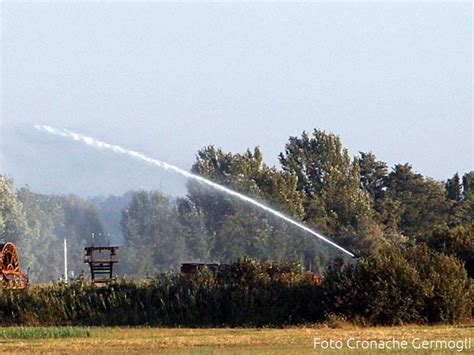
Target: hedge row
{"points": [[415, 286]]}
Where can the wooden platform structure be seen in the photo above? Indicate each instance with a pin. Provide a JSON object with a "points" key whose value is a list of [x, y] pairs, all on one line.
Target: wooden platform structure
{"points": [[101, 260]]}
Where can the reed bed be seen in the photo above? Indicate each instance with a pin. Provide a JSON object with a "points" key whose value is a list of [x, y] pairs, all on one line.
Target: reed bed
{"points": [[247, 294]]}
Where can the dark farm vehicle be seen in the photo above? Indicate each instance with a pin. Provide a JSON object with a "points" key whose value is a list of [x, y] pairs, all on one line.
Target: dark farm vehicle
{"points": [[189, 268]]}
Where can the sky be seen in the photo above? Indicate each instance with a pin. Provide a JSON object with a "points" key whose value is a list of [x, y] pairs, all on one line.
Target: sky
{"points": [[168, 79]]}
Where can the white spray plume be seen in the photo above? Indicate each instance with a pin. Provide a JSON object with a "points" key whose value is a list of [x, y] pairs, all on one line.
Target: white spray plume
{"points": [[117, 149]]}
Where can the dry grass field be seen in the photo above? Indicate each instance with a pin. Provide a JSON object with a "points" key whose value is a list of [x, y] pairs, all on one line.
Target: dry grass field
{"points": [[219, 340]]}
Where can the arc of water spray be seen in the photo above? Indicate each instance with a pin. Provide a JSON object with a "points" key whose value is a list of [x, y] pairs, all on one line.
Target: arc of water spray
{"points": [[118, 149]]}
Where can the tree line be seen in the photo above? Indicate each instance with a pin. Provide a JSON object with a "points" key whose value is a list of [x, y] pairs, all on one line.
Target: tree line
{"points": [[359, 202]]}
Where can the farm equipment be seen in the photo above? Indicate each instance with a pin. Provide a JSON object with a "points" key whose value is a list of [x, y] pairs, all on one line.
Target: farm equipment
{"points": [[11, 276], [190, 268]]}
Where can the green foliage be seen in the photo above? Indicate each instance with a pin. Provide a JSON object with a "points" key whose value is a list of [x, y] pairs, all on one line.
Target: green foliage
{"points": [[247, 293], [382, 289], [457, 241], [373, 174], [419, 204], [245, 173], [110, 209], [50, 219], [468, 185], [396, 287], [233, 228], [388, 289], [12, 218], [44, 332], [447, 291], [453, 188], [355, 201], [195, 234], [330, 181], [414, 236], [153, 236], [241, 234]]}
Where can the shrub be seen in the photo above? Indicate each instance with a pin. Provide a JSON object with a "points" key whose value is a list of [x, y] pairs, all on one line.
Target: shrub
{"points": [[396, 287], [448, 295], [391, 288]]}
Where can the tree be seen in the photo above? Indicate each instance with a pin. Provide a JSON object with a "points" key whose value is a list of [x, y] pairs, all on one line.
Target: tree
{"points": [[453, 188], [13, 226], [330, 181], [234, 227], [81, 219], [373, 174], [242, 234], [153, 237], [468, 185], [44, 260], [422, 204], [196, 236], [245, 173], [50, 219], [457, 241], [110, 212]]}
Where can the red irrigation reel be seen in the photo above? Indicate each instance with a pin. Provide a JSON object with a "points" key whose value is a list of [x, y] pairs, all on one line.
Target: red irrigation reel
{"points": [[10, 275]]}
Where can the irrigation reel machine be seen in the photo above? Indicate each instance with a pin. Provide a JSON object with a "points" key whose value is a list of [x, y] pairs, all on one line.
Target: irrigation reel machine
{"points": [[11, 277]]}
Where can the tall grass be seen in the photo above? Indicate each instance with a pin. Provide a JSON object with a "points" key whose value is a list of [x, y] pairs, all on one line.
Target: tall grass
{"points": [[246, 294], [44, 332]]}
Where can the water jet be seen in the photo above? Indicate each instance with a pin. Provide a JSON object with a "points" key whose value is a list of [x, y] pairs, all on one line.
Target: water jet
{"points": [[92, 142]]}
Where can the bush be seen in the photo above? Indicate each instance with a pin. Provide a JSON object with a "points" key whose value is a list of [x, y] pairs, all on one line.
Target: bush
{"points": [[396, 287], [247, 293], [448, 294], [391, 288], [457, 241]]}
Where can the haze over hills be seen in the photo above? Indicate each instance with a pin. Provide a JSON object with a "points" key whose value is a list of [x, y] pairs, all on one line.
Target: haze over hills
{"points": [[76, 170], [391, 78]]}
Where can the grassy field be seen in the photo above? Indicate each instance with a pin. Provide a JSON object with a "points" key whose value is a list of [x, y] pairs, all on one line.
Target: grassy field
{"points": [[212, 340]]}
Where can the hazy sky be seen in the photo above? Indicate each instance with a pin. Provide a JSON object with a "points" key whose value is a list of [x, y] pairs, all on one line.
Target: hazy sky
{"points": [[168, 79]]}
